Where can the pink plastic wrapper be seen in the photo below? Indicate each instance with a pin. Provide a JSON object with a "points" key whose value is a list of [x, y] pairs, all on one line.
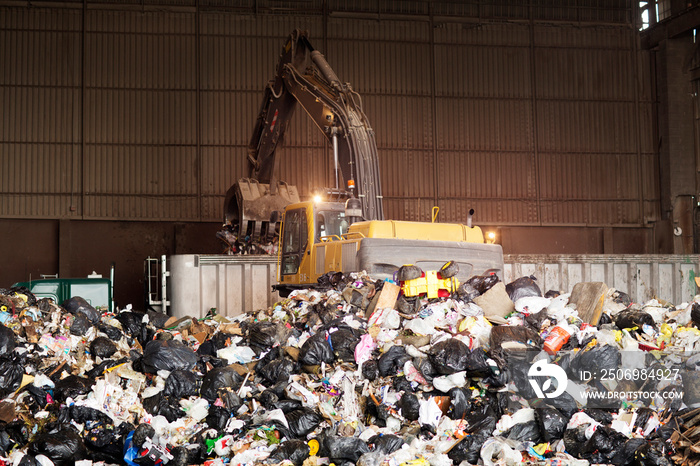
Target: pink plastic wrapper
{"points": [[363, 350]]}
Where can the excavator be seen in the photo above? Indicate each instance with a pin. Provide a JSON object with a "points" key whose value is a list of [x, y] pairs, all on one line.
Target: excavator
{"points": [[343, 228]]}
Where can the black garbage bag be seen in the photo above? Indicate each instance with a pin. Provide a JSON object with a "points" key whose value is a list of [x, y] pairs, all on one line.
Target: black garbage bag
{"points": [[80, 325], [141, 433], [385, 443], [132, 322], [11, 373], [622, 298], [449, 356], [286, 405], [654, 453], [575, 440], [13, 434], [100, 369], [344, 448], [596, 360], [511, 336], [77, 305], [525, 432], [481, 426], [695, 314], [71, 386], [536, 320], [343, 343], [643, 416], [603, 444], [158, 319], [168, 355], [6, 443], [467, 292], [295, 451], [483, 283], [518, 364], [631, 318], [409, 406], [181, 384], [277, 370], [218, 417], [219, 379], [82, 414], [625, 455], [425, 367], [402, 384], [7, 340], [599, 415], [459, 402], [392, 360], [102, 347], [370, 369], [262, 334], [159, 405], [106, 442], [302, 421], [523, 287], [476, 364], [231, 399], [552, 423], [181, 456], [565, 403], [316, 350], [63, 447], [112, 332]]}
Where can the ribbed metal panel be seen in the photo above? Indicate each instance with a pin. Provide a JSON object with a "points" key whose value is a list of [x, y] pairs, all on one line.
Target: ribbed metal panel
{"points": [[140, 101], [407, 173], [131, 116], [584, 74], [489, 211], [39, 98], [387, 115], [406, 33], [486, 175], [159, 132], [407, 7], [484, 124], [276, 28], [488, 34], [37, 179], [141, 182], [409, 209], [148, 22], [482, 71], [382, 67], [587, 37], [586, 126]]}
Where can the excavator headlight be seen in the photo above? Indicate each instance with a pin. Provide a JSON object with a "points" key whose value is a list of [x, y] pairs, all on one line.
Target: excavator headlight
{"points": [[317, 199], [491, 237]]}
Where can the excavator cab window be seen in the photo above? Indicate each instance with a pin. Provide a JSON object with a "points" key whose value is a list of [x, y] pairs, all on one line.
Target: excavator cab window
{"points": [[330, 223], [294, 241]]}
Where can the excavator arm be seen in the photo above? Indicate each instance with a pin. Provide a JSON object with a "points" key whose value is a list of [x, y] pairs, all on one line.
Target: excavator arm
{"points": [[303, 76]]}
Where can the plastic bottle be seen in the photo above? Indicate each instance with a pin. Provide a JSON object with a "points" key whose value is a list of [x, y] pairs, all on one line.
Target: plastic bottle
{"points": [[557, 338]]}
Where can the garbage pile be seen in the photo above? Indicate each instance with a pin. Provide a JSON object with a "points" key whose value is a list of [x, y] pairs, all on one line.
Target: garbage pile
{"points": [[245, 245], [355, 372]]}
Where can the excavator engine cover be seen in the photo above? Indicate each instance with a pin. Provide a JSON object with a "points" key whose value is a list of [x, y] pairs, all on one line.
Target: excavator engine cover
{"points": [[253, 210]]}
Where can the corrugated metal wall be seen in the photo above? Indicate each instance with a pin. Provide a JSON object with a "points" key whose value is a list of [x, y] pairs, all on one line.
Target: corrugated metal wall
{"points": [[143, 110]]}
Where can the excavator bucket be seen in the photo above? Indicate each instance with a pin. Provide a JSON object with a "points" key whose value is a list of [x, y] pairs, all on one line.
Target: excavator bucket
{"points": [[253, 210]]}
